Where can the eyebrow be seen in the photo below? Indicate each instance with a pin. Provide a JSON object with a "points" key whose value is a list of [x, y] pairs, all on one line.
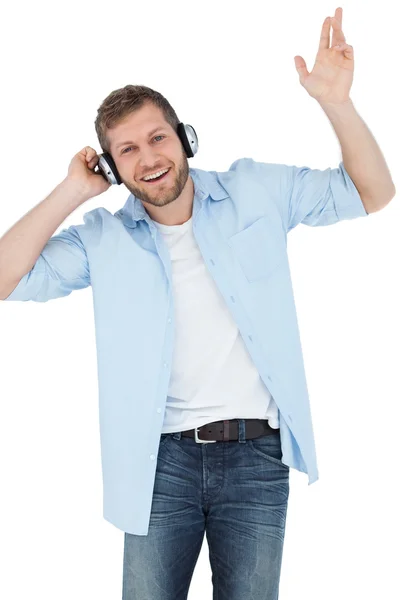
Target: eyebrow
{"points": [[151, 133]]}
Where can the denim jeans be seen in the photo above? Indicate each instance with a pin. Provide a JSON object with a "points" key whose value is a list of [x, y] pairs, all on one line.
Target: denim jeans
{"points": [[236, 493]]}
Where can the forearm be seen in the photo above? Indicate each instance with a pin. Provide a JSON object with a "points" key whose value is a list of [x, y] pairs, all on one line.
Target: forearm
{"points": [[362, 157], [22, 244]]}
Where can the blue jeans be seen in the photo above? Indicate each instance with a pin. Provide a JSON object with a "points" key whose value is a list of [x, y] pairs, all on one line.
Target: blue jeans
{"points": [[237, 493]]}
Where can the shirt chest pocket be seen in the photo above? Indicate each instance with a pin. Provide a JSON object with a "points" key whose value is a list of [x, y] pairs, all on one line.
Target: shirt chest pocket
{"points": [[259, 249]]}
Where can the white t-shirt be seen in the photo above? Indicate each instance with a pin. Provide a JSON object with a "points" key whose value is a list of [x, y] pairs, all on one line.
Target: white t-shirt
{"points": [[212, 376]]}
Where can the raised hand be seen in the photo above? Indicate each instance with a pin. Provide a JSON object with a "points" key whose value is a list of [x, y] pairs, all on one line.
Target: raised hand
{"points": [[332, 76]]}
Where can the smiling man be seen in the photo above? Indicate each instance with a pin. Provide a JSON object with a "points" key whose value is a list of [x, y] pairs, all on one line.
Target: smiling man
{"points": [[203, 399]]}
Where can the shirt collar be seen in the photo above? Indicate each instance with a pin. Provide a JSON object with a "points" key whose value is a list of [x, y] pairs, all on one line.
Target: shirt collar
{"points": [[205, 184]]}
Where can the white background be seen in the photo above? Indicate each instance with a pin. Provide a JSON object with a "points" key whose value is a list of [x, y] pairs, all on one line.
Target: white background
{"points": [[227, 69]]}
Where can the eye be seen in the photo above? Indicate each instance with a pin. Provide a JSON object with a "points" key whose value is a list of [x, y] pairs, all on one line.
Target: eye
{"points": [[123, 151]]}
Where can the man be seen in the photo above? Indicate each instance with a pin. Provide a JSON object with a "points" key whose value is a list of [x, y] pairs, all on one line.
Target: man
{"points": [[203, 398]]}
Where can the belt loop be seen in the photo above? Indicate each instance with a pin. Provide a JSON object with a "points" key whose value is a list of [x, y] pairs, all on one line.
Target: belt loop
{"points": [[226, 430], [242, 430]]}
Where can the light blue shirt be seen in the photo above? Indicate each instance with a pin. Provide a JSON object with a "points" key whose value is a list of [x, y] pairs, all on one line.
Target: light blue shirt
{"points": [[241, 218]]}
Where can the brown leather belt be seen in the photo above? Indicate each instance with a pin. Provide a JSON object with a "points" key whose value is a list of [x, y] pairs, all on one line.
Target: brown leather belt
{"points": [[228, 430]]}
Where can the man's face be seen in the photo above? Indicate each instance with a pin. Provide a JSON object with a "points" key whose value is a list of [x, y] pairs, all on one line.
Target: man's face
{"points": [[138, 152]]}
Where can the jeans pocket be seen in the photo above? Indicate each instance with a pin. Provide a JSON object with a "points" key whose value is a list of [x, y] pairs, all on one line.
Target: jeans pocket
{"points": [[269, 447]]}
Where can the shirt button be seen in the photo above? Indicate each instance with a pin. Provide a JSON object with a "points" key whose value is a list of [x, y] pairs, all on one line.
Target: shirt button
{"points": [[158, 410], [152, 456], [169, 320], [165, 364]]}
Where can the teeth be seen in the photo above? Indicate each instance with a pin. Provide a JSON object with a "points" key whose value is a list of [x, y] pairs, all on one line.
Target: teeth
{"points": [[155, 175]]}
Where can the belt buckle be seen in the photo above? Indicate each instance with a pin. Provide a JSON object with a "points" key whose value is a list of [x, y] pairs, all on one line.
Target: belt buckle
{"points": [[199, 441]]}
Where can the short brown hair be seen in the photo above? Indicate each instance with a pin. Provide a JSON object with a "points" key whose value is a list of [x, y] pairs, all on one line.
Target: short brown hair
{"points": [[123, 101]]}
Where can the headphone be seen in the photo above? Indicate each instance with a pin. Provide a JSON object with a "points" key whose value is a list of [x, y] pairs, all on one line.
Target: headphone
{"points": [[108, 169]]}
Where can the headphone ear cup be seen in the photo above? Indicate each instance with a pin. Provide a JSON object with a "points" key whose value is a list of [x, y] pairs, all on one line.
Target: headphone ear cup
{"points": [[108, 168], [188, 137]]}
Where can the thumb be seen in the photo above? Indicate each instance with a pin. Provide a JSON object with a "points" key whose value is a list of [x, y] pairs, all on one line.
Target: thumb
{"points": [[301, 68]]}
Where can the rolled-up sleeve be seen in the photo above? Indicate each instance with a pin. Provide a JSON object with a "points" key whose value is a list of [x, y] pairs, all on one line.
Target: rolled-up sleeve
{"points": [[318, 198], [61, 268], [303, 195]]}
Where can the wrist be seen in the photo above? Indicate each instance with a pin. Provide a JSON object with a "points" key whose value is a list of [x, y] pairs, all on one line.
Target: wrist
{"points": [[339, 107], [75, 190], [340, 112]]}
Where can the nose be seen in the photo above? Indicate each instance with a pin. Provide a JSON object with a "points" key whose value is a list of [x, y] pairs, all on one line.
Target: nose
{"points": [[148, 159]]}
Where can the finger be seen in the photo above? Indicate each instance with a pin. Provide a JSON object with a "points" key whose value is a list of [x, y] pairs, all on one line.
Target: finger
{"points": [[301, 68], [324, 39], [337, 33], [346, 48], [339, 15], [91, 154]]}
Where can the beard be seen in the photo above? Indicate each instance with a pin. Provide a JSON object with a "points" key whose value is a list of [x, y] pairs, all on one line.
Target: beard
{"points": [[159, 195]]}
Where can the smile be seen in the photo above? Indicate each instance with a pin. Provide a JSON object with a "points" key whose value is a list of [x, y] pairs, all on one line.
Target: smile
{"points": [[158, 179]]}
